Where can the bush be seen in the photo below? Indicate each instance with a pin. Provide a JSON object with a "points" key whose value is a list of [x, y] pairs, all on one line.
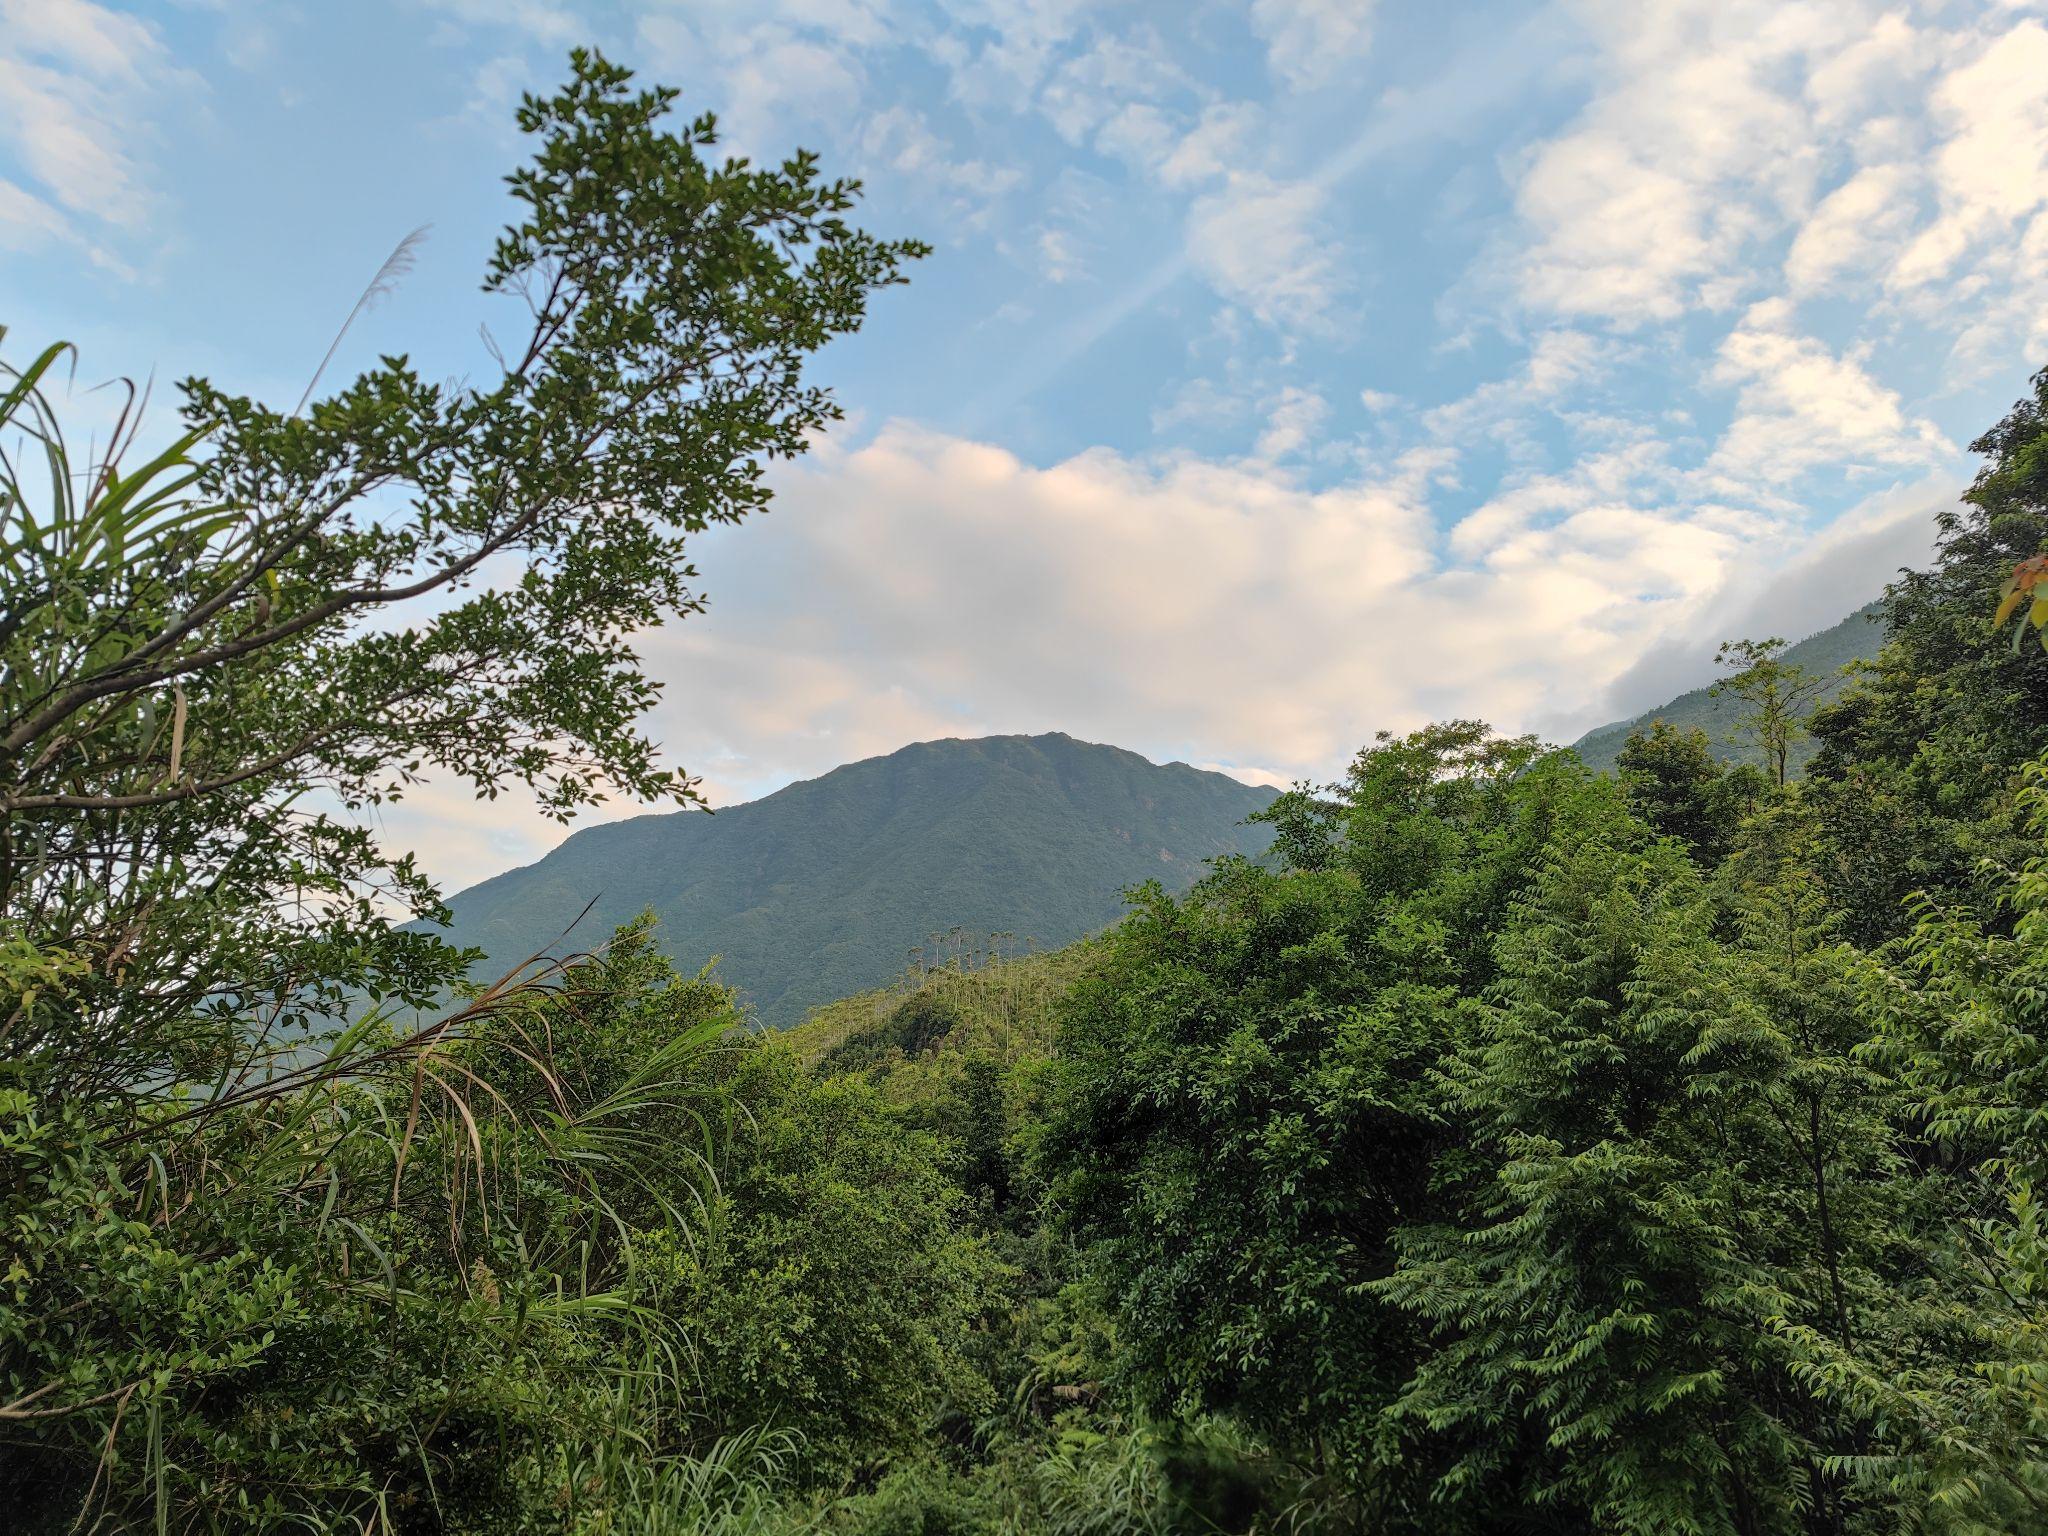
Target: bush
{"points": [[832, 1291]]}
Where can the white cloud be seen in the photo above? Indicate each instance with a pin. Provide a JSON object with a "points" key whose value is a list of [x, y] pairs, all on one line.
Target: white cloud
{"points": [[1636, 470], [1222, 138], [102, 43], [26, 221], [1622, 239], [1875, 70], [1699, 144], [1091, 88], [1063, 242], [1246, 773], [925, 584], [1260, 240], [556, 26], [1802, 406], [1975, 269], [1013, 46], [771, 78], [958, 572], [1853, 226], [1863, 151], [780, 69], [1558, 362], [1199, 403], [1805, 589], [1138, 133], [1295, 419], [462, 838], [1973, 263], [1836, 186], [1261, 243], [75, 79], [1059, 256], [495, 86], [1512, 416], [1992, 168], [1313, 42], [772, 70], [854, 23]]}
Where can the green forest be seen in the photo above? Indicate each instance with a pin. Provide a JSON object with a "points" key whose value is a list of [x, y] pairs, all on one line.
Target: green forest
{"points": [[1513, 1148]]}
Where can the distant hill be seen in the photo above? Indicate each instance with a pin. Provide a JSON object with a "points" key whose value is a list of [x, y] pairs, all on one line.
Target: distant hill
{"points": [[1856, 638], [824, 889]]}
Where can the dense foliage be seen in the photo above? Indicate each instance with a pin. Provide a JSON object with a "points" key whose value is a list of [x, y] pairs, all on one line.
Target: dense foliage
{"points": [[832, 1287]]}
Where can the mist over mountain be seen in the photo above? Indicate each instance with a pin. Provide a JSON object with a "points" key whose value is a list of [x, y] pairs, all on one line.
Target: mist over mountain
{"points": [[825, 887]]}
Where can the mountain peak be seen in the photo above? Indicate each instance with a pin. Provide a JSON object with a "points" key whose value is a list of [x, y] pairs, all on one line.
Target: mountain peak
{"points": [[826, 886]]}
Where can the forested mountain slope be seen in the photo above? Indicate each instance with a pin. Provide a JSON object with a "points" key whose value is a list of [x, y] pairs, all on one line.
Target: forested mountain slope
{"points": [[824, 888], [1856, 638]]}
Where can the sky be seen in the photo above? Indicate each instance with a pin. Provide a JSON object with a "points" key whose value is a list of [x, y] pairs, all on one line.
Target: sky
{"points": [[1284, 370]]}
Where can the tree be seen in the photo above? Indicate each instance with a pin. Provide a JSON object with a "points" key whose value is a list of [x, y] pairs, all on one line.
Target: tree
{"points": [[831, 1290], [1780, 695], [1919, 763], [1674, 783], [1585, 1286], [983, 1126], [1963, 1024], [289, 608], [1488, 1158], [1678, 1178], [312, 602]]}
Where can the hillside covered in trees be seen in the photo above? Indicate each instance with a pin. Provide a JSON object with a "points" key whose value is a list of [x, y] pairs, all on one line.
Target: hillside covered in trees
{"points": [[1508, 1147], [824, 888]]}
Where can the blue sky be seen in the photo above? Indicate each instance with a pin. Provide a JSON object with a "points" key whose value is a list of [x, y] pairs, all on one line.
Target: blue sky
{"points": [[1285, 369]]}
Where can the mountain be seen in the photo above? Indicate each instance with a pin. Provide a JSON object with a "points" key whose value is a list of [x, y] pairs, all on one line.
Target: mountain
{"points": [[823, 889], [1856, 638]]}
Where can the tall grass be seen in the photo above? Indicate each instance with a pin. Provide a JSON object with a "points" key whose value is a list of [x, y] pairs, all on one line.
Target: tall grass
{"points": [[620, 1486]]}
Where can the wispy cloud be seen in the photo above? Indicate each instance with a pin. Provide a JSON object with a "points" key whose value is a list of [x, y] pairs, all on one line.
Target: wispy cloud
{"points": [[1313, 42], [76, 83]]}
